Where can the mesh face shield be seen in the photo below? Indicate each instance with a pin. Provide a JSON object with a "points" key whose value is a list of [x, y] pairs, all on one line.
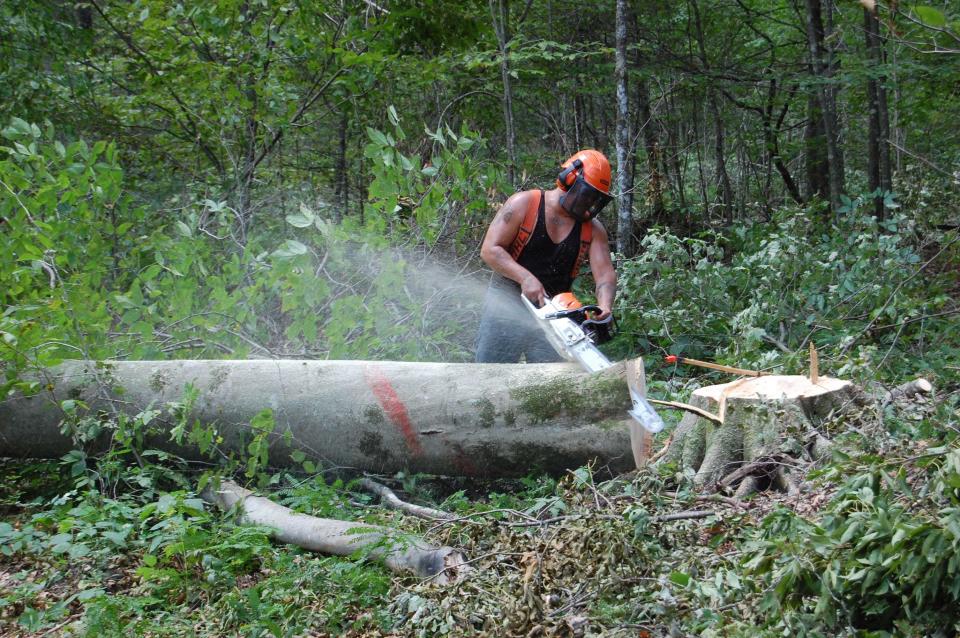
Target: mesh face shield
{"points": [[583, 201]]}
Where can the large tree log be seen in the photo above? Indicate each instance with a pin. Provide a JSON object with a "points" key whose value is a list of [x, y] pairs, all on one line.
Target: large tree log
{"points": [[452, 419], [769, 419], [400, 553]]}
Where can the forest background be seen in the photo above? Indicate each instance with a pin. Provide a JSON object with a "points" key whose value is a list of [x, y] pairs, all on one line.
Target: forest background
{"points": [[312, 180]]}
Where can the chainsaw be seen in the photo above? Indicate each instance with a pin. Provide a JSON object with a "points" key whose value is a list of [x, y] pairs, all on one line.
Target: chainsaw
{"points": [[574, 333]]}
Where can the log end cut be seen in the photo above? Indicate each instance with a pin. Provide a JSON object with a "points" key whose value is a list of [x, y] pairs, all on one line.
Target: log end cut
{"points": [[772, 387]]}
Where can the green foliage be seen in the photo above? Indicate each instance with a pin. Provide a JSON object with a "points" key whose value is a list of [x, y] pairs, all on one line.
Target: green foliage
{"points": [[743, 296], [92, 276], [883, 557], [172, 556], [439, 199], [63, 245]]}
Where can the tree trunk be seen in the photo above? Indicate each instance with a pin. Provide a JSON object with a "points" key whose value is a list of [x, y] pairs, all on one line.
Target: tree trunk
{"points": [[440, 418], [878, 148], [722, 178], [651, 145], [815, 149], [763, 417], [823, 63], [500, 14], [771, 134], [676, 145], [624, 181], [342, 193], [400, 552], [247, 164]]}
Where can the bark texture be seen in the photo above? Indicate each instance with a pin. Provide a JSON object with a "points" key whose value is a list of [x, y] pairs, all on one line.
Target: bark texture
{"points": [[624, 186], [450, 419], [766, 420], [823, 63], [399, 552]]}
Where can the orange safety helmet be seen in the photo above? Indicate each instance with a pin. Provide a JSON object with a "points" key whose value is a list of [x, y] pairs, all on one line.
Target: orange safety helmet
{"points": [[585, 180]]}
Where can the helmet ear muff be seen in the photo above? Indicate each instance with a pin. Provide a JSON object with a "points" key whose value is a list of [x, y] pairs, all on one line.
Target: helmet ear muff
{"points": [[568, 176]]}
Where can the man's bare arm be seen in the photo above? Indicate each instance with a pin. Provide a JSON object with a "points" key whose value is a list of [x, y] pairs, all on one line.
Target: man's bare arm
{"points": [[495, 250], [602, 268]]}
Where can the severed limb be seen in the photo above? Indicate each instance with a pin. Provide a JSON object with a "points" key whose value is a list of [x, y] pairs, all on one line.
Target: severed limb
{"points": [[907, 391], [399, 552], [689, 408], [389, 498], [763, 466]]}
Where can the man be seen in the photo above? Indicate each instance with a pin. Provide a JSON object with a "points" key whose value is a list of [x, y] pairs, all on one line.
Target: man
{"points": [[536, 245]]}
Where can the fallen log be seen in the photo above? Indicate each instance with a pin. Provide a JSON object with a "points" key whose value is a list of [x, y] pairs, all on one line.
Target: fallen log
{"points": [[494, 420], [400, 553]]}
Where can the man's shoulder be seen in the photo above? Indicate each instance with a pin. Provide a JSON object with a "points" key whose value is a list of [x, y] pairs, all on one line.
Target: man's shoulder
{"points": [[598, 226], [524, 197]]}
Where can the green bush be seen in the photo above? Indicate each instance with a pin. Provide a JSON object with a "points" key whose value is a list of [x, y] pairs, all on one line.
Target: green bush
{"points": [[884, 556], [758, 295]]}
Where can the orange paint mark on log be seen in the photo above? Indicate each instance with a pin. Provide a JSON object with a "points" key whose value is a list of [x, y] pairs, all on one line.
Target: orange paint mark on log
{"points": [[393, 407]]}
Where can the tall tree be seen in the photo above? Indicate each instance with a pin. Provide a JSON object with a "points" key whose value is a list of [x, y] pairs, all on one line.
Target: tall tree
{"points": [[823, 64], [724, 186], [651, 144], [624, 181], [500, 15], [878, 147]]}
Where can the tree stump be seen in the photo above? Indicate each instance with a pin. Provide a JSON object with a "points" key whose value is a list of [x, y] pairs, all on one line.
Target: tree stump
{"points": [[769, 423]]}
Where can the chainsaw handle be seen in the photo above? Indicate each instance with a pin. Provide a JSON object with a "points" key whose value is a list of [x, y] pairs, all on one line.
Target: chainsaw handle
{"points": [[573, 313]]}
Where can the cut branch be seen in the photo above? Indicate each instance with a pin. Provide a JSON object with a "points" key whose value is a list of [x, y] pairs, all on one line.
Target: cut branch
{"points": [[907, 391], [399, 552], [688, 408], [391, 500]]}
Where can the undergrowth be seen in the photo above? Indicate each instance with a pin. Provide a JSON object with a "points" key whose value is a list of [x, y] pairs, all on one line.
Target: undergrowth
{"points": [[871, 546]]}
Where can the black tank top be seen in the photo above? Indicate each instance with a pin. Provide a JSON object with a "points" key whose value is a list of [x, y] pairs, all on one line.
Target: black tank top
{"points": [[551, 263]]}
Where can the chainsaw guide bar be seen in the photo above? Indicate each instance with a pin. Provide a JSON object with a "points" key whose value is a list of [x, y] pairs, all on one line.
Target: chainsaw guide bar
{"points": [[572, 343]]}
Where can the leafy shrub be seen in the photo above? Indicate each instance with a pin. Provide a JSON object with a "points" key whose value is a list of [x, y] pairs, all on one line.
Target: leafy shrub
{"points": [[760, 294], [885, 556]]}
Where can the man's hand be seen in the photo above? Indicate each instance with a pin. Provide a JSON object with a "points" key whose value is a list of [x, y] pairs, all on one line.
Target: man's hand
{"points": [[533, 290], [603, 314]]}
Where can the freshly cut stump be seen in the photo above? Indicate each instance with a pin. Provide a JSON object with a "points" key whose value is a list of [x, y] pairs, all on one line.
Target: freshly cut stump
{"points": [[769, 423]]}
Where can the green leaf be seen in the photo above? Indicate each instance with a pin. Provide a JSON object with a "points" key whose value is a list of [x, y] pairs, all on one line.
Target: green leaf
{"points": [[377, 137], [303, 219], [680, 578], [18, 128], [79, 550], [929, 15], [90, 594], [290, 248], [183, 229], [117, 538]]}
